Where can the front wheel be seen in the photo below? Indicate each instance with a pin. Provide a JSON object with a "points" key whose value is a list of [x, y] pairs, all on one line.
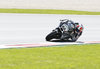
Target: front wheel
{"points": [[51, 36]]}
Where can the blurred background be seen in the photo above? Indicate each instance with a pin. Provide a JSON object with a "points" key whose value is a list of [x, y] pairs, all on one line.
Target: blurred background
{"points": [[81, 5]]}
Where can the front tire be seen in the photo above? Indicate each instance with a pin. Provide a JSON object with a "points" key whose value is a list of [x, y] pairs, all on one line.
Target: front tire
{"points": [[50, 36]]}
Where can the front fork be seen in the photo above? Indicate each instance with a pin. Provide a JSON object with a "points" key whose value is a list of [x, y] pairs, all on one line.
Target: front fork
{"points": [[58, 35]]}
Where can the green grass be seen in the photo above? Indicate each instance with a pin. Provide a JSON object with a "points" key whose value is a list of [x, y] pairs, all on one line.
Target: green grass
{"points": [[65, 57], [47, 11]]}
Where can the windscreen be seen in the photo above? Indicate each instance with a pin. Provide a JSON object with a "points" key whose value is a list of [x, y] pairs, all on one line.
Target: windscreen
{"points": [[64, 27]]}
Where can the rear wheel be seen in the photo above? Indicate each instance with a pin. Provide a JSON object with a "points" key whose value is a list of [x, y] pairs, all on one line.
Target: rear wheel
{"points": [[73, 38]]}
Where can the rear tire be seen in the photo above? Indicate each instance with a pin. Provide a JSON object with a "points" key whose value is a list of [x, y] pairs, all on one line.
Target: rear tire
{"points": [[73, 39]]}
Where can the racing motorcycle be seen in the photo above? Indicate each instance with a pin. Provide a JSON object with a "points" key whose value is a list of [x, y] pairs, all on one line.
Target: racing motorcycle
{"points": [[64, 32]]}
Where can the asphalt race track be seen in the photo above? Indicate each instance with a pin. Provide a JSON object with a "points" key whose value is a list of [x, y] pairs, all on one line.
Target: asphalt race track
{"points": [[32, 28]]}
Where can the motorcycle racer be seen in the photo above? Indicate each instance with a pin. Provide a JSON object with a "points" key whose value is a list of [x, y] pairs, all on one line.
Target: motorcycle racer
{"points": [[78, 30]]}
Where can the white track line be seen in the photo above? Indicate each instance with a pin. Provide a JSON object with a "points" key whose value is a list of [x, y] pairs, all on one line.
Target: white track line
{"points": [[46, 44]]}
